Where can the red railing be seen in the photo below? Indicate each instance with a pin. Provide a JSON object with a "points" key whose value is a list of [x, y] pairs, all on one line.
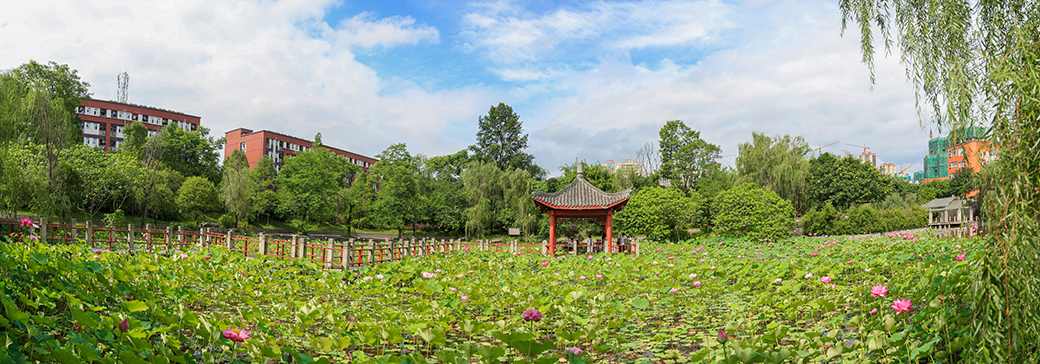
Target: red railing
{"points": [[329, 253]]}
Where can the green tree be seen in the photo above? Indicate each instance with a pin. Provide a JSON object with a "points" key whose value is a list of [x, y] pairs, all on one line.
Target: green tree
{"points": [[446, 191], [597, 174], [397, 201], [64, 86], [976, 63], [685, 157], [192, 153], [196, 196], [357, 201], [752, 212], [499, 141], [778, 164], [962, 182], [308, 181], [932, 190], [844, 182], [265, 201], [237, 189], [134, 137], [659, 213]]}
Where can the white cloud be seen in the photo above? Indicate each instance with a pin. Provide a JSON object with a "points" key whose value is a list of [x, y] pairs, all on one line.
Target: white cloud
{"points": [[795, 75], [506, 33], [365, 31], [256, 64]]}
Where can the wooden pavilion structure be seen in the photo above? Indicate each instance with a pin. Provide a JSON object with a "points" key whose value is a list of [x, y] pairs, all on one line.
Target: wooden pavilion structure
{"points": [[580, 200]]}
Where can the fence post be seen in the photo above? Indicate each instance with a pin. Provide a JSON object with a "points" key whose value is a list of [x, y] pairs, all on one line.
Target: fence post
{"points": [[111, 234], [545, 247], [75, 231], [371, 252], [90, 234], [180, 236], [169, 238], [43, 230], [262, 249], [458, 244], [202, 236], [328, 254], [130, 237], [346, 248], [230, 244]]}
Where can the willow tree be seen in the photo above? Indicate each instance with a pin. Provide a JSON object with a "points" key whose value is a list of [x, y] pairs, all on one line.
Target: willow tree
{"points": [[975, 63], [778, 164]]}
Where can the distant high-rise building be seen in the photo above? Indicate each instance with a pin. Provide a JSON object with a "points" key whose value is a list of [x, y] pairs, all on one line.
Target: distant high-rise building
{"points": [[868, 158], [627, 165], [279, 147], [889, 169], [970, 150], [103, 121], [935, 166]]}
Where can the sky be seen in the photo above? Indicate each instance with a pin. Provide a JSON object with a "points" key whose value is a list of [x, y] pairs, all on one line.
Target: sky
{"points": [[590, 80]]}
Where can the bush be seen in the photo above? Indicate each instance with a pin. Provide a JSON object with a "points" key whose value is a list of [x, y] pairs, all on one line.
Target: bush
{"points": [[658, 213], [746, 210], [863, 219], [227, 221]]}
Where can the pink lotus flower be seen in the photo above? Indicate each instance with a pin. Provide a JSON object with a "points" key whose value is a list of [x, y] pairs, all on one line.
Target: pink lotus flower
{"points": [[517, 253], [437, 271], [673, 290], [465, 249], [878, 291], [470, 272], [825, 279], [693, 275], [574, 350], [452, 289], [873, 311], [814, 254], [599, 276], [428, 275], [697, 283], [207, 257], [532, 315], [961, 257], [184, 256], [808, 275], [581, 277], [778, 280], [545, 264], [901, 306], [34, 238], [124, 325], [236, 335], [465, 298], [25, 221]]}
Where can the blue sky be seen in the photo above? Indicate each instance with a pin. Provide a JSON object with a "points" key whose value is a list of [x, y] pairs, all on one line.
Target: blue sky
{"points": [[591, 80]]}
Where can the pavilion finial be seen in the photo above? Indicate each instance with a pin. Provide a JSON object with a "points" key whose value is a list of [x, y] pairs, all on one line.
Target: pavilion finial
{"points": [[581, 170]]}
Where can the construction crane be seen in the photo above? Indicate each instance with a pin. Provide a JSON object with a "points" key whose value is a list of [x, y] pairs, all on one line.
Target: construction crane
{"points": [[864, 146], [904, 169], [819, 150]]}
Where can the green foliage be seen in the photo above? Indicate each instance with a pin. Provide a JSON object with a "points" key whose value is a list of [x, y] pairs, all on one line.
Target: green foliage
{"points": [[61, 85], [863, 219], [397, 201], [845, 182], [975, 63], [932, 190], [752, 212], [597, 174], [52, 302], [227, 221], [238, 188], [499, 141], [685, 157], [961, 182], [445, 192], [196, 196], [497, 199], [308, 181], [659, 213], [191, 153], [778, 164]]}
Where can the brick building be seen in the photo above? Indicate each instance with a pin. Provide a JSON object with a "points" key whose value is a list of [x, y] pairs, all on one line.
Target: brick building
{"points": [[103, 121], [256, 144]]}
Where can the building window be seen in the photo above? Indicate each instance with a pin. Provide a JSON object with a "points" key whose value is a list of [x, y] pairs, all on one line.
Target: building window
{"points": [[242, 146]]}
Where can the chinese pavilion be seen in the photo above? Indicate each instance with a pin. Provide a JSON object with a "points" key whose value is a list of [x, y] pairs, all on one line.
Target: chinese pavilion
{"points": [[580, 200]]}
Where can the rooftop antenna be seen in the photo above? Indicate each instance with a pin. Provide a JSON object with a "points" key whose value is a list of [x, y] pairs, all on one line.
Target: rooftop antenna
{"points": [[123, 80]]}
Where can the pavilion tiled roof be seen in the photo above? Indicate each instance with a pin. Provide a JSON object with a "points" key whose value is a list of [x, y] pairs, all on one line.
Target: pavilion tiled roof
{"points": [[581, 194]]}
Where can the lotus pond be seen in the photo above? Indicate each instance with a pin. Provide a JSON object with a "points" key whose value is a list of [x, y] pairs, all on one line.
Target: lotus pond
{"points": [[897, 298]]}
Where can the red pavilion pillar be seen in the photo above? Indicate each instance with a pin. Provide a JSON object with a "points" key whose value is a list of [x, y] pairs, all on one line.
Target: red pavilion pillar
{"points": [[610, 232], [552, 233]]}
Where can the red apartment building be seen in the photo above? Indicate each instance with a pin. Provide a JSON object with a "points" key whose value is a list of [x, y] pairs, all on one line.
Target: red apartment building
{"points": [[103, 121], [257, 144]]}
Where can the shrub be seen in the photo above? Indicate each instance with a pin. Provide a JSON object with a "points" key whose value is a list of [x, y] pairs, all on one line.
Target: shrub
{"points": [[227, 221], [864, 219], [746, 210], [658, 213]]}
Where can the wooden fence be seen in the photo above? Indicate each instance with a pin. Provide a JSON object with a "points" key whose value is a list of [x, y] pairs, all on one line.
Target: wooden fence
{"points": [[330, 253]]}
